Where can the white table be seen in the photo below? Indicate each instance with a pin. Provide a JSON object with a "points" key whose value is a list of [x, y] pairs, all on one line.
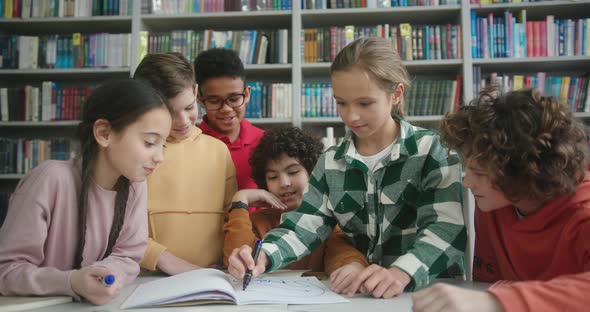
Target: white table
{"points": [[358, 303]]}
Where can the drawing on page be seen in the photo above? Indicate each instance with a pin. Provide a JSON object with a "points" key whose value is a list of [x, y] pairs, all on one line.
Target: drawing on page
{"points": [[292, 288]]}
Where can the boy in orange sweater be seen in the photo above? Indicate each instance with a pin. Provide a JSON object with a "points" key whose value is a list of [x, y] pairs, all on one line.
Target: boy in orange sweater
{"points": [[281, 164], [527, 168]]}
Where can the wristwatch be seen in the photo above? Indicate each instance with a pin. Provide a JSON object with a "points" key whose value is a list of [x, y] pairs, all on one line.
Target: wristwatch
{"points": [[238, 204]]}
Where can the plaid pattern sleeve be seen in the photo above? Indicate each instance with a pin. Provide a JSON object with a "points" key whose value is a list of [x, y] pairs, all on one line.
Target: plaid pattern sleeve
{"points": [[406, 213], [304, 229]]}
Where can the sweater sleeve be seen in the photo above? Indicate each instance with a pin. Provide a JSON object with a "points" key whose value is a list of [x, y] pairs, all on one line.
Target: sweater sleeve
{"points": [[340, 252], [23, 236], [131, 245], [441, 234], [152, 254], [237, 231], [231, 184], [564, 293]]}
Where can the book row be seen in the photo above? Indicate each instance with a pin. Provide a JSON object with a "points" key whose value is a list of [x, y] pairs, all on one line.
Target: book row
{"points": [[64, 8], [413, 42], [51, 102], [175, 7], [511, 35], [19, 156], [65, 51], [269, 100], [339, 4], [570, 90], [253, 46]]}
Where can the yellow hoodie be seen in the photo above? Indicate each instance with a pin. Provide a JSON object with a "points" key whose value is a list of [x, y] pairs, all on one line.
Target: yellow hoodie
{"points": [[188, 195]]}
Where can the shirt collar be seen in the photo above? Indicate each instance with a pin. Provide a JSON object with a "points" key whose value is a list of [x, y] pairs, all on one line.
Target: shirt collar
{"points": [[405, 144], [245, 137], [194, 134]]}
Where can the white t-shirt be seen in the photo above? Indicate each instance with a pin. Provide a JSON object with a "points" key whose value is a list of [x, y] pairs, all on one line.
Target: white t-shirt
{"points": [[373, 160]]}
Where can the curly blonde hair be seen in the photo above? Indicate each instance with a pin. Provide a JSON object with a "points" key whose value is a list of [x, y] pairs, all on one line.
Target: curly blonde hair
{"points": [[530, 145]]}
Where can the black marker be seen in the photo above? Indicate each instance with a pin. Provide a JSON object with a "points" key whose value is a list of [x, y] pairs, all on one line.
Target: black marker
{"points": [[255, 254]]}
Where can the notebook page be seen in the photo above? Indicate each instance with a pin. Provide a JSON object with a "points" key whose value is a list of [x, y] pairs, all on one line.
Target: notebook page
{"points": [[178, 287]]}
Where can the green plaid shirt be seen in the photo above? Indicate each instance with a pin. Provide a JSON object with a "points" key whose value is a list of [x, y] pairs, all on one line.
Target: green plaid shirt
{"points": [[407, 213]]}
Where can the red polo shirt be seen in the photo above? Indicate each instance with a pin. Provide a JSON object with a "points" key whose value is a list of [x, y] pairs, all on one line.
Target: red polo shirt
{"points": [[240, 149]]}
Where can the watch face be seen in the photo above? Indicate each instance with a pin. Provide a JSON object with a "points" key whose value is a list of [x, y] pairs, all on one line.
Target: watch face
{"points": [[238, 204]]}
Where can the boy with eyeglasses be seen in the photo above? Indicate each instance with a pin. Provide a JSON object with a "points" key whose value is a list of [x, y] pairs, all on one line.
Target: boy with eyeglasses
{"points": [[223, 93]]}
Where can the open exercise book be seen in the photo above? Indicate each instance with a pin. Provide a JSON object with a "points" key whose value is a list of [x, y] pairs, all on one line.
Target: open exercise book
{"points": [[206, 286]]}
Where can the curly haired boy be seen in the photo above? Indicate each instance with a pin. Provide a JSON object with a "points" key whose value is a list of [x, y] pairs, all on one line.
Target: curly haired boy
{"points": [[526, 165]]}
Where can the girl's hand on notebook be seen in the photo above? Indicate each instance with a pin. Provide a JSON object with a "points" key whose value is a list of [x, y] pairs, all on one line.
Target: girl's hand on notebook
{"points": [[259, 198], [241, 260], [87, 283], [380, 282], [172, 265], [343, 277], [442, 297]]}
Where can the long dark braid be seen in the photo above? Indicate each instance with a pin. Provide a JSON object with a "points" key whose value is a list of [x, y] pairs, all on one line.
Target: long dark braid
{"points": [[120, 102], [88, 150], [122, 188]]}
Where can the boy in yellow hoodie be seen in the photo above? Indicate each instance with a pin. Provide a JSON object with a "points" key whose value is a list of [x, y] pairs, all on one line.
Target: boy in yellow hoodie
{"points": [[189, 194]]}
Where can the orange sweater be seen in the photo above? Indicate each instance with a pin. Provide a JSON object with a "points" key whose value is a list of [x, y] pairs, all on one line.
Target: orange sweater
{"points": [[243, 228], [546, 254]]}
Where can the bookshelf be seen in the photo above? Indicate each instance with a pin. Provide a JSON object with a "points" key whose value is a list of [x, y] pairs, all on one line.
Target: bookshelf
{"points": [[296, 71]]}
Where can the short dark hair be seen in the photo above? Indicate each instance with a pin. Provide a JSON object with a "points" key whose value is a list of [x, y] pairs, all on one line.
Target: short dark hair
{"points": [[530, 145], [216, 63], [169, 73], [293, 142]]}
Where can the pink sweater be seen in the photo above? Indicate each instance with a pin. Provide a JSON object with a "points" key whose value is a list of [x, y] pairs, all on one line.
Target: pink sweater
{"points": [[38, 239]]}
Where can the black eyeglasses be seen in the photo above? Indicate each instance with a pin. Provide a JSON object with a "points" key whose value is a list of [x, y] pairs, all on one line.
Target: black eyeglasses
{"points": [[233, 101]]}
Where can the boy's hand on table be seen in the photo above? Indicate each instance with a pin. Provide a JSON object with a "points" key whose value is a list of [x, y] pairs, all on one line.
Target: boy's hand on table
{"points": [[441, 297], [380, 282]]}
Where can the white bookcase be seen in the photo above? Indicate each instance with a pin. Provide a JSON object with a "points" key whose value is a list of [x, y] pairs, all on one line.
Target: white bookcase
{"points": [[297, 72]]}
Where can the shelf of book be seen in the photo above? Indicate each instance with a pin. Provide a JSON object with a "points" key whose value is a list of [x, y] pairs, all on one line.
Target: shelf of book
{"points": [[36, 124], [67, 73], [535, 10], [297, 72], [416, 14], [219, 20], [582, 115], [337, 120], [550, 63], [11, 176], [432, 67], [64, 25], [421, 119], [270, 121], [268, 71]]}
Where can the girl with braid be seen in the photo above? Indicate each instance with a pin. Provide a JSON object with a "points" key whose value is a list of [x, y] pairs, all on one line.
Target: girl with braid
{"points": [[72, 223]]}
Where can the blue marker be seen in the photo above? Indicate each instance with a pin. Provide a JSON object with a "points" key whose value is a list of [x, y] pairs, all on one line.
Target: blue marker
{"points": [[108, 280]]}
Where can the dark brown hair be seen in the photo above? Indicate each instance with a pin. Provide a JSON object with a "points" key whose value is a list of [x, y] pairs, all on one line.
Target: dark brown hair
{"points": [[530, 145], [291, 141], [120, 102], [169, 73], [218, 62]]}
